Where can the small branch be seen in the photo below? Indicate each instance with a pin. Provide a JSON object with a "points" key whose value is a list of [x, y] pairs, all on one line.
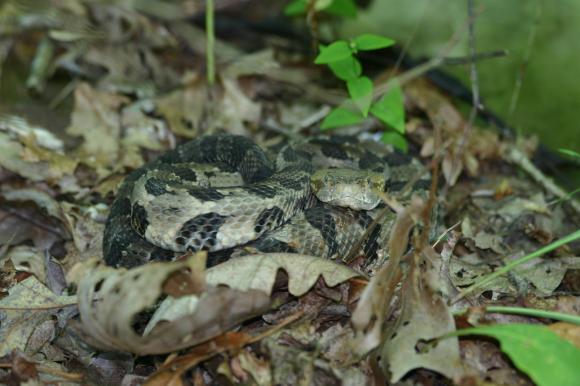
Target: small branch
{"points": [[475, 96], [421, 69], [312, 21], [526, 59], [462, 60], [515, 156], [210, 36]]}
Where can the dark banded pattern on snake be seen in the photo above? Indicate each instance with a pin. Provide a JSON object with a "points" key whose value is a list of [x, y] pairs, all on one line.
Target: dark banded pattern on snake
{"points": [[221, 192]]}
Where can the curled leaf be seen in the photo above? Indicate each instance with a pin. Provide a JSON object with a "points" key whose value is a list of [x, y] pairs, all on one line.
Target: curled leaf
{"points": [[114, 303]]}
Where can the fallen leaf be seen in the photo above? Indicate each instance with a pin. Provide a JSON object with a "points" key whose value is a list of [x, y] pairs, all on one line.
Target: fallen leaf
{"points": [[258, 272], [371, 311], [96, 119], [184, 109], [112, 301], [28, 259], [28, 305], [34, 152]]}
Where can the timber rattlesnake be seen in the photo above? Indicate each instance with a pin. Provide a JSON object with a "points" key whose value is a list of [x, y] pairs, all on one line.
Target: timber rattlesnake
{"points": [[222, 192]]}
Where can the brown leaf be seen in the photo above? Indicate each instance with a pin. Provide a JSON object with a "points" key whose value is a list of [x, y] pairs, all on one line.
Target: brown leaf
{"points": [[28, 305], [259, 272], [424, 316], [184, 109], [96, 119], [371, 312], [127, 296]]}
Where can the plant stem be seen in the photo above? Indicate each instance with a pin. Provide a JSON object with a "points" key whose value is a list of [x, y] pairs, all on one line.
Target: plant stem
{"points": [[534, 312], [209, 33]]}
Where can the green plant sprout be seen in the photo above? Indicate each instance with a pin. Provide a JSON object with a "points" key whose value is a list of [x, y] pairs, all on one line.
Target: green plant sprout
{"points": [[340, 57], [343, 8]]}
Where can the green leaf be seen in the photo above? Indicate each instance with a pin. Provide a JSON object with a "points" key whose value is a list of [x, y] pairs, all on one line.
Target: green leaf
{"points": [[343, 8], [341, 117], [295, 8], [335, 52], [395, 139], [361, 92], [548, 359], [570, 153], [346, 69], [390, 109], [368, 42]]}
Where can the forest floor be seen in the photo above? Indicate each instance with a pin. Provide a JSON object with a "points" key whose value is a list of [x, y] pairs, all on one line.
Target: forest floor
{"points": [[114, 87]]}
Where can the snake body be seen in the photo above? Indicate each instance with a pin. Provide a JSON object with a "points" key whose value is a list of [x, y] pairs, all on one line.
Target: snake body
{"points": [[222, 192]]}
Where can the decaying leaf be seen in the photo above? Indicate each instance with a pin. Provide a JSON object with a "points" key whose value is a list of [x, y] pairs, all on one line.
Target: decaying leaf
{"points": [[259, 272], [424, 314], [85, 225], [27, 259], [96, 119], [34, 153], [190, 317], [184, 109], [142, 130], [460, 153], [28, 305], [513, 226], [33, 215], [112, 303], [371, 312], [131, 69], [236, 108], [43, 200], [171, 372]]}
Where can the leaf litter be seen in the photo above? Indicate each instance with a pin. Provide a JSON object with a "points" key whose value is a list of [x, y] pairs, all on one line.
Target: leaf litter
{"points": [[259, 319]]}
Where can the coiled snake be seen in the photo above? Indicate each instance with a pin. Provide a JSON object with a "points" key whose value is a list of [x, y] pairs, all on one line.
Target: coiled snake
{"points": [[222, 192]]}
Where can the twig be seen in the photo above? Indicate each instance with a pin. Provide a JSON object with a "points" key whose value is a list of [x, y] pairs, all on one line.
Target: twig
{"points": [[526, 59], [445, 233], [312, 21], [515, 156], [462, 60], [421, 69], [474, 94], [409, 40], [428, 208], [310, 120], [210, 36], [63, 94]]}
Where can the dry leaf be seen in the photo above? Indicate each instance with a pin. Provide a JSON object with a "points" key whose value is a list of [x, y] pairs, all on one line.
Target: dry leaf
{"points": [[34, 153], [424, 316], [96, 119], [28, 305], [259, 272], [371, 312], [184, 109], [112, 301], [192, 316]]}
